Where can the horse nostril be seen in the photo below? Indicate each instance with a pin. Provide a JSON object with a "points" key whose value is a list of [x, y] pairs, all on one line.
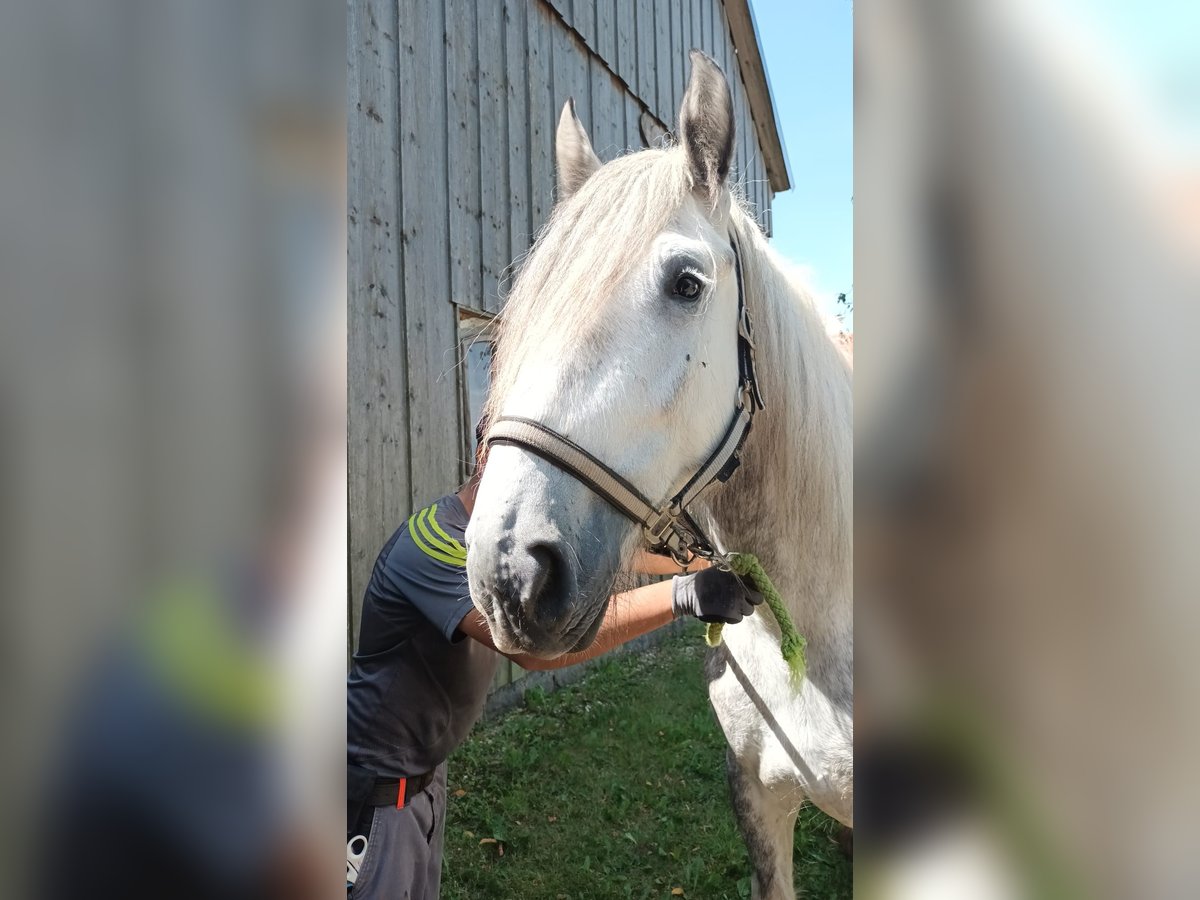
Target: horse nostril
{"points": [[548, 593]]}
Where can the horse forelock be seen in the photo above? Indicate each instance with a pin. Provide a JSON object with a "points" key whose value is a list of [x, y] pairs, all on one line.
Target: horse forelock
{"points": [[565, 286]]}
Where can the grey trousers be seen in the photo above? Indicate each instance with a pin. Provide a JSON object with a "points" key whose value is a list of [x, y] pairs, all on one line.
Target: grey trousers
{"points": [[404, 850]]}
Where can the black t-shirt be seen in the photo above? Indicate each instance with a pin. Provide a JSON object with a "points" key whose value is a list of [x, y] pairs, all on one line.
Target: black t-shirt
{"points": [[416, 684]]}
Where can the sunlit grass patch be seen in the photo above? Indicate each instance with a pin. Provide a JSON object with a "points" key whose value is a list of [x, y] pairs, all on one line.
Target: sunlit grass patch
{"points": [[611, 788]]}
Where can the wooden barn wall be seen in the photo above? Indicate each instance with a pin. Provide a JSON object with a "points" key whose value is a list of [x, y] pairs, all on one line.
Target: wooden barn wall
{"points": [[452, 110]]}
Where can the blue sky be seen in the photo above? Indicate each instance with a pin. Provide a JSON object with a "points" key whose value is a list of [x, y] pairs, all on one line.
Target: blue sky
{"points": [[808, 49]]}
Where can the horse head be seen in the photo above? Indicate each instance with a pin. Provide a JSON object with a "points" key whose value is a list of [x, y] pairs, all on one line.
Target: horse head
{"points": [[620, 334]]}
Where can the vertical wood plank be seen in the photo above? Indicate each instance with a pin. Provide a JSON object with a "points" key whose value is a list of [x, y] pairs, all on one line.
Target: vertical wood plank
{"points": [[661, 103], [433, 398], [492, 162], [716, 13], [516, 50], [562, 7], [462, 102], [764, 192], [625, 16], [606, 33], [678, 52], [541, 116], [377, 421], [753, 189], [608, 121], [706, 26], [721, 35], [571, 78], [739, 142], [695, 28], [736, 170], [583, 20], [647, 85], [684, 45], [502, 676], [745, 132], [756, 171]]}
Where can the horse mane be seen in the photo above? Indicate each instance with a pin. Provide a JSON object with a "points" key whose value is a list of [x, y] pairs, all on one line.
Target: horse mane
{"points": [[801, 444]]}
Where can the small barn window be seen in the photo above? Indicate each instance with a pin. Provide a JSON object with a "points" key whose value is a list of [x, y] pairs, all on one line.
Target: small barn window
{"points": [[475, 336]]}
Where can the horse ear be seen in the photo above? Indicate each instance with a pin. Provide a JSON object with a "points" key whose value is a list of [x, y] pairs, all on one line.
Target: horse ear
{"points": [[707, 126], [575, 158]]}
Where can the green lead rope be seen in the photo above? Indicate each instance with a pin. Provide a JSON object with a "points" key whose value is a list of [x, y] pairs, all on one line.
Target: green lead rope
{"points": [[791, 642]]}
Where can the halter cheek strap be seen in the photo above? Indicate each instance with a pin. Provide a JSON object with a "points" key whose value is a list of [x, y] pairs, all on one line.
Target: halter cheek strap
{"points": [[667, 526]]}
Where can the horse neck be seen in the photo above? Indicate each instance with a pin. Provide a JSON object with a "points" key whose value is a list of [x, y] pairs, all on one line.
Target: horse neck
{"points": [[790, 502]]}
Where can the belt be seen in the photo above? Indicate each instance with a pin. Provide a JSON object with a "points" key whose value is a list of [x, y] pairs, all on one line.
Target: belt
{"points": [[398, 791]]}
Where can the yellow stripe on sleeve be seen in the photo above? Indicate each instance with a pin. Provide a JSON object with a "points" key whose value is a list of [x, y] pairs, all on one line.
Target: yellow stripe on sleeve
{"points": [[423, 520], [455, 545], [429, 551]]}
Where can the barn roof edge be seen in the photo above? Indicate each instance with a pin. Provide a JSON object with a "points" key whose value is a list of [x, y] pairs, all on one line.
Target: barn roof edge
{"points": [[744, 31]]}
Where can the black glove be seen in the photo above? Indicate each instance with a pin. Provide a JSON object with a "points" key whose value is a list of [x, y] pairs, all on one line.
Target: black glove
{"points": [[713, 595]]}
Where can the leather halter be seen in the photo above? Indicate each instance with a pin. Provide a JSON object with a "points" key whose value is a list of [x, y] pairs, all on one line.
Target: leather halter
{"points": [[668, 526]]}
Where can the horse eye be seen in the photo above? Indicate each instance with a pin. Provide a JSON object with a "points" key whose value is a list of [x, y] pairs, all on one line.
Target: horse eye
{"points": [[688, 287]]}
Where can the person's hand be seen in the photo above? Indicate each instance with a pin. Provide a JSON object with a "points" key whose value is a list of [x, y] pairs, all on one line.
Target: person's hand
{"points": [[713, 595]]}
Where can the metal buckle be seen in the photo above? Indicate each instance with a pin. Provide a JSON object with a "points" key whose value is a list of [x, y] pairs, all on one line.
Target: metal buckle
{"points": [[656, 532]]}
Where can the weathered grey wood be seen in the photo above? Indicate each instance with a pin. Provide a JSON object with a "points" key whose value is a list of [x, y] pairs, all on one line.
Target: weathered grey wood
{"points": [[606, 33], [608, 117], [663, 59], [625, 14], [503, 674], [764, 194], [744, 130], [720, 39], [462, 108], [431, 327], [646, 88], [453, 107], [633, 112], [706, 26], [764, 191], [562, 7], [583, 20], [516, 45], [679, 51], [492, 164], [377, 424], [750, 139], [571, 77], [541, 114], [696, 32]]}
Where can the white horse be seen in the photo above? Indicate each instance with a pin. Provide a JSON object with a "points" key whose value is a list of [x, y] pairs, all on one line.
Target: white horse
{"points": [[606, 340]]}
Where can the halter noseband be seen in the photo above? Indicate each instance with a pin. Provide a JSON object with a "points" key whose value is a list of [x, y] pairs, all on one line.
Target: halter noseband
{"points": [[668, 526]]}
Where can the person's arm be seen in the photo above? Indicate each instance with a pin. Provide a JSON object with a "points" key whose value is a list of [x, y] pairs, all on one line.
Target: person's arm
{"points": [[713, 595], [630, 614], [647, 563]]}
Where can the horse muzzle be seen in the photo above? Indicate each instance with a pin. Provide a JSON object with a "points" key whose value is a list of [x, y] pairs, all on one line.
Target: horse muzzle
{"points": [[542, 554]]}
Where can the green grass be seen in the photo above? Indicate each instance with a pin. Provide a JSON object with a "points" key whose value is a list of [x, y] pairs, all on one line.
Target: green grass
{"points": [[613, 787]]}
